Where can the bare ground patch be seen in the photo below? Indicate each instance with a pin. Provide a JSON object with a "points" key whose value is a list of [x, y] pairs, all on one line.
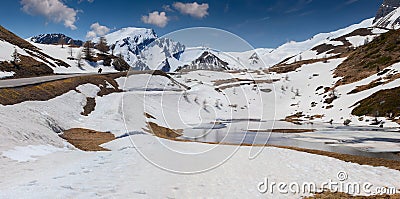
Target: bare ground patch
{"points": [[89, 107], [86, 139], [295, 118]]}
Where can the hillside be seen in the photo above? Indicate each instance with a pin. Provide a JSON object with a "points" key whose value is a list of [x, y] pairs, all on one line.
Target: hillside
{"points": [[32, 61]]}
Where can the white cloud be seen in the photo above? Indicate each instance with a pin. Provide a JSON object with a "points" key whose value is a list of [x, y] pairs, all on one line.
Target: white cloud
{"points": [[193, 9], [156, 18], [97, 30], [53, 10]]}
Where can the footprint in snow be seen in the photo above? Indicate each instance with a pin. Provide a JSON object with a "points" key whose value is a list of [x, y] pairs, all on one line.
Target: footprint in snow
{"points": [[140, 192]]}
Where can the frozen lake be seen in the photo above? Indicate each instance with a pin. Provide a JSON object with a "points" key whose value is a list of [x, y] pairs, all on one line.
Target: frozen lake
{"points": [[361, 141]]}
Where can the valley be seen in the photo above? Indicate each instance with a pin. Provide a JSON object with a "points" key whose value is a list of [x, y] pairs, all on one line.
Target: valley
{"points": [[132, 114]]}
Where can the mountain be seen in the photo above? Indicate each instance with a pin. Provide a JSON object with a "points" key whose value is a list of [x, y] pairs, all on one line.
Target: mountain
{"points": [[129, 42], [157, 54], [142, 49], [206, 61], [388, 15], [55, 39]]}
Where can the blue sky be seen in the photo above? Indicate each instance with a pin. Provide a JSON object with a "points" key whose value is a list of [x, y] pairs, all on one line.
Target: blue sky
{"points": [[263, 23]]}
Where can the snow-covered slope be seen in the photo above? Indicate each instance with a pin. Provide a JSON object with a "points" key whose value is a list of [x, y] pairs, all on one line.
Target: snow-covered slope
{"points": [[294, 48], [71, 55]]}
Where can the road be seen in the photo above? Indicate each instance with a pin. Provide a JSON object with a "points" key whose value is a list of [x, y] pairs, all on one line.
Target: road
{"points": [[8, 83], [12, 83]]}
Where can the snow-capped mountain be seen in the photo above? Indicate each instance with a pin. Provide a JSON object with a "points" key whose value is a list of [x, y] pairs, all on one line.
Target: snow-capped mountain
{"points": [[386, 8], [54, 39], [129, 42], [390, 21], [206, 61], [143, 50], [157, 54]]}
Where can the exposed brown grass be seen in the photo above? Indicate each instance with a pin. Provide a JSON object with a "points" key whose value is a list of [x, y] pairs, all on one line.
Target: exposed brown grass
{"points": [[49, 90], [86, 139], [338, 195], [383, 104], [370, 59], [163, 132], [27, 67], [11, 38]]}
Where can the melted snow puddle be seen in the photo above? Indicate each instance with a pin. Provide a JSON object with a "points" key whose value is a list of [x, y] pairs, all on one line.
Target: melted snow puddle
{"points": [[360, 141]]}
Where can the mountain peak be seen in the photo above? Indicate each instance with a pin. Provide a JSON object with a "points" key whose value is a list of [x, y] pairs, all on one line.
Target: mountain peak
{"points": [[387, 7], [130, 32], [388, 15], [54, 38]]}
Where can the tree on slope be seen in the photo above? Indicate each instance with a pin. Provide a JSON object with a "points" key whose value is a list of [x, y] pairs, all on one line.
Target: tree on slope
{"points": [[102, 45], [88, 51], [15, 56], [61, 41]]}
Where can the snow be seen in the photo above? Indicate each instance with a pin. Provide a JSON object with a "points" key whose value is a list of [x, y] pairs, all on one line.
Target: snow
{"points": [[360, 40], [7, 50], [30, 152], [379, 31], [138, 165], [89, 90], [123, 172], [4, 74]]}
